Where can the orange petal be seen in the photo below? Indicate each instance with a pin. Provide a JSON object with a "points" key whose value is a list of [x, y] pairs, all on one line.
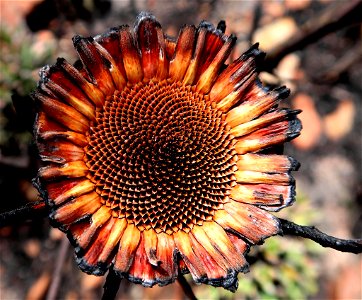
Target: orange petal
{"points": [[89, 260], [220, 240], [82, 187], [56, 189], [47, 129], [58, 151], [263, 121], [170, 46], [256, 105], [272, 135], [150, 243], [166, 253], [114, 236], [108, 46], [98, 219], [234, 76], [151, 42], [249, 221], [259, 194], [127, 248], [141, 270], [213, 271], [131, 59], [210, 74], [191, 72], [214, 40], [260, 177], [97, 67], [71, 136], [91, 90], [56, 81], [183, 52], [237, 95], [240, 245], [76, 209], [62, 113], [272, 163], [200, 235], [184, 246], [69, 170]]}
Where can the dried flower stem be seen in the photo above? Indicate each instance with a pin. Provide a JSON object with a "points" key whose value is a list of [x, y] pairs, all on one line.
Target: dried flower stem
{"points": [[31, 211], [333, 19], [186, 287], [325, 240], [61, 256], [111, 286]]}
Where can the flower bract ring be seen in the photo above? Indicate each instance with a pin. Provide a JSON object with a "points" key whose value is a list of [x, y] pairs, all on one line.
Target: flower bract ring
{"points": [[159, 157]]}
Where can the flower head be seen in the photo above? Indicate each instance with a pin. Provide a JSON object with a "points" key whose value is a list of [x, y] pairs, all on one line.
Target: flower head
{"points": [[160, 158]]}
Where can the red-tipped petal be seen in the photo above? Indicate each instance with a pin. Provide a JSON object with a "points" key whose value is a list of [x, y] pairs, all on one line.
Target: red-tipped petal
{"points": [[209, 75], [59, 151], [80, 187], [151, 42], [249, 221], [114, 236], [95, 64], [270, 197], [274, 134], [127, 248], [234, 76], [110, 49], [100, 217], [72, 169], [166, 253], [141, 270], [150, 244], [184, 246], [183, 52], [255, 105], [90, 89], [56, 82], [220, 240], [271, 163], [260, 177], [131, 59], [76, 209], [62, 113], [263, 121]]}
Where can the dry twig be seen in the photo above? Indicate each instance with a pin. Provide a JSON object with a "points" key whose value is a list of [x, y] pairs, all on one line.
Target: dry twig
{"points": [[344, 14]]}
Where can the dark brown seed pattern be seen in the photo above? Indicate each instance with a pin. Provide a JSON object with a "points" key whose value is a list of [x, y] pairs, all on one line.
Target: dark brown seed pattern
{"points": [[161, 156]]}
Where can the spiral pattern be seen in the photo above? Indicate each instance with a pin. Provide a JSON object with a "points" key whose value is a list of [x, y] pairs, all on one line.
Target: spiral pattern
{"points": [[161, 157]]}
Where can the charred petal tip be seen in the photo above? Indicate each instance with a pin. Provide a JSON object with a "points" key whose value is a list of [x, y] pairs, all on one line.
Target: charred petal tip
{"points": [[294, 164], [221, 26], [99, 269], [295, 126], [283, 92]]}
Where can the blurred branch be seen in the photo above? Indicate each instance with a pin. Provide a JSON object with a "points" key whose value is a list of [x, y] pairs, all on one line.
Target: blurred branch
{"points": [[30, 211], [111, 286], [325, 240], [332, 19], [57, 274], [351, 57], [186, 287]]}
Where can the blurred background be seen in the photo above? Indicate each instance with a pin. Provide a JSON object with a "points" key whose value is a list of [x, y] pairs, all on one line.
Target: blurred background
{"points": [[325, 81]]}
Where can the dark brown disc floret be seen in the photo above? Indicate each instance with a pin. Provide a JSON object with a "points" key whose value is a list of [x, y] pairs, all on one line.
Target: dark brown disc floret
{"points": [[161, 156]]}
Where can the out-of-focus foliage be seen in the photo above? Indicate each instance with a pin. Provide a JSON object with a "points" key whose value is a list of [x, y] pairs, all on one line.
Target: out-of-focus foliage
{"points": [[19, 65], [281, 268]]}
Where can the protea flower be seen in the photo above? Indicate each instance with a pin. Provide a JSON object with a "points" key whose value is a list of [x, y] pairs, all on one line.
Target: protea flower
{"points": [[159, 158]]}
